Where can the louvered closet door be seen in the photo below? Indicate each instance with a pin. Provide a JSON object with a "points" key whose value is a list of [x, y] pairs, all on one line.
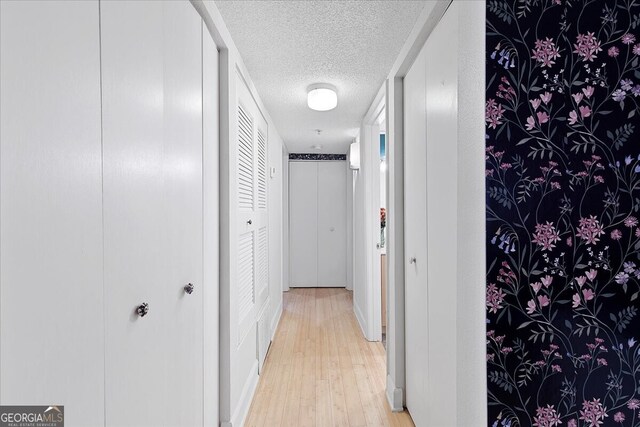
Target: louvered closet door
{"points": [[252, 257]]}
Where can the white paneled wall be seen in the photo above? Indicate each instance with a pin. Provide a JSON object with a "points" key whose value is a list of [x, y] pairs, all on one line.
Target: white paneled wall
{"points": [[109, 199]]}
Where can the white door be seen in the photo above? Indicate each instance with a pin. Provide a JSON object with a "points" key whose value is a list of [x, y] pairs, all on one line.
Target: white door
{"points": [[182, 176], [332, 224], [430, 109], [415, 225], [152, 145], [51, 208], [134, 210], [303, 223]]}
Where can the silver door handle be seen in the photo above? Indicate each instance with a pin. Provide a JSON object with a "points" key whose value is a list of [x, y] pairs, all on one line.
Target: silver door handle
{"points": [[412, 260], [189, 288]]}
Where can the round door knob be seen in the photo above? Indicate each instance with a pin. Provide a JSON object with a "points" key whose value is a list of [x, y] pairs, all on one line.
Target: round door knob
{"points": [[142, 309], [188, 288], [249, 222], [412, 260]]}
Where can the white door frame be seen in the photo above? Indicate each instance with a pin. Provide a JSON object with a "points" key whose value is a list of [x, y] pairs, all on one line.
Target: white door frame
{"points": [[470, 405], [370, 166]]}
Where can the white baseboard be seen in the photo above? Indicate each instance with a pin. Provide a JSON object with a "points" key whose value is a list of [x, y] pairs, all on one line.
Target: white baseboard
{"points": [[275, 320], [394, 396], [242, 410], [361, 322]]}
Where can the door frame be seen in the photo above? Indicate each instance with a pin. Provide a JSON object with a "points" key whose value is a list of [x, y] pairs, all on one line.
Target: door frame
{"points": [[471, 370], [370, 161]]}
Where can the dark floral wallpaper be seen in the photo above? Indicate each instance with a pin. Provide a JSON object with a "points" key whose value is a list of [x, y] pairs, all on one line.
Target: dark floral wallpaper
{"points": [[563, 209]]}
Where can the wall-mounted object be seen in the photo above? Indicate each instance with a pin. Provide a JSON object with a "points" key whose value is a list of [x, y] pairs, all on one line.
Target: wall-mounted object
{"points": [[322, 97], [354, 156]]}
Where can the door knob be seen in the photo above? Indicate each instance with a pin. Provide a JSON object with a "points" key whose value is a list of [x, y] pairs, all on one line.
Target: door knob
{"points": [[142, 309], [249, 222], [412, 260], [188, 288]]}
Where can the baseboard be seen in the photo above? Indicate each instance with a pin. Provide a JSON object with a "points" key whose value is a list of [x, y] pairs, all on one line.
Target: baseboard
{"points": [[361, 321], [246, 397], [394, 396], [275, 320]]}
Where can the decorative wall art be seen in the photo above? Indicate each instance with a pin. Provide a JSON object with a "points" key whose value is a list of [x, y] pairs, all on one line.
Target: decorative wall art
{"points": [[563, 209]]}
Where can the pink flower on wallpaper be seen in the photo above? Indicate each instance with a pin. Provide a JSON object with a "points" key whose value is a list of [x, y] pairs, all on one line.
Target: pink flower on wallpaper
{"points": [[536, 287], [633, 404], [572, 423], [531, 306], [616, 234], [493, 113], [495, 297], [546, 417], [593, 412], [587, 46], [576, 301], [531, 123], [545, 52], [588, 91], [628, 39], [543, 300], [591, 274], [588, 294], [546, 236], [542, 117], [637, 233], [573, 117], [602, 361], [581, 280], [535, 103], [547, 280], [546, 97], [585, 111], [590, 230], [556, 368], [636, 49], [631, 221], [618, 417], [578, 97], [598, 179], [613, 51]]}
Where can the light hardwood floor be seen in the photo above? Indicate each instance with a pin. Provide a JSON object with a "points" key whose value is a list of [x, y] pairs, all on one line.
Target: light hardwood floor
{"points": [[320, 371]]}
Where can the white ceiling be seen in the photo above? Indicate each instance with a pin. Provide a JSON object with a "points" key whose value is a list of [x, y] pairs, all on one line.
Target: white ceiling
{"points": [[289, 45]]}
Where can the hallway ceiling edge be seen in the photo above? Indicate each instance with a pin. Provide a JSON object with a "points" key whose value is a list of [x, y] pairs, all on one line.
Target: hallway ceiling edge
{"points": [[289, 45]]}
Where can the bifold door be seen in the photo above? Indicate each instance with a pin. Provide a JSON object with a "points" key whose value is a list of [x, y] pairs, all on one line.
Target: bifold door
{"points": [[152, 130], [51, 305], [318, 223]]}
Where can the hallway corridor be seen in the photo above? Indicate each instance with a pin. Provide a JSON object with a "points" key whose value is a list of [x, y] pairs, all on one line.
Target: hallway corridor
{"points": [[320, 371]]}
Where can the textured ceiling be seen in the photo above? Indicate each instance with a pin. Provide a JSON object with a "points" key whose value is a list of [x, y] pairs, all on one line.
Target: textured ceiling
{"points": [[289, 45]]}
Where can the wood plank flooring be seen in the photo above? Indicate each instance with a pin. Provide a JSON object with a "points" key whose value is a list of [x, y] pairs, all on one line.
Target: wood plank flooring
{"points": [[320, 371]]}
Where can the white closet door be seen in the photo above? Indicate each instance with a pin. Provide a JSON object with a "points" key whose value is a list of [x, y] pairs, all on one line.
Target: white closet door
{"points": [[182, 176], [332, 224], [152, 127], [51, 324], [303, 223]]}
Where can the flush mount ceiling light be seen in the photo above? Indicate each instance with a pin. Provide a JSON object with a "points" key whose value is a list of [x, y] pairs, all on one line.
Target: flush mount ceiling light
{"points": [[322, 97]]}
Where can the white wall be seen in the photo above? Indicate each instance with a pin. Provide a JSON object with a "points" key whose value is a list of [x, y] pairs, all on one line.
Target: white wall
{"points": [[360, 253], [275, 230]]}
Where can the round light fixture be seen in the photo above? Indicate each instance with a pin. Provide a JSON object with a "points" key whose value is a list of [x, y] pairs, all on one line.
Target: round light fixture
{"points": [[322, 97]]}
